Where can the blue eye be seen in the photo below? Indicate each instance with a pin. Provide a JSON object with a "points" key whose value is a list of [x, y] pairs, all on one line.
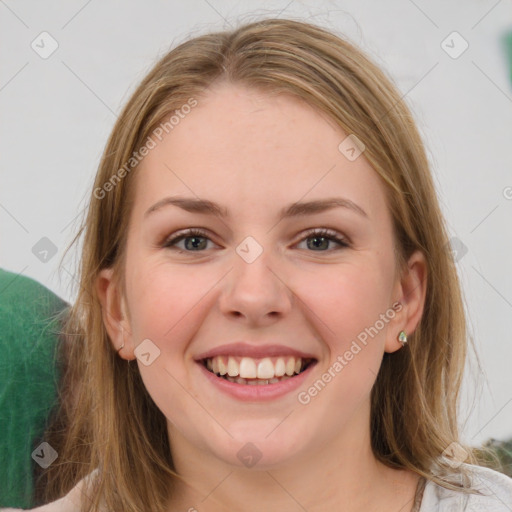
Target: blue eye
{"points": [[327, 235], [194, 234], [320, 237]]}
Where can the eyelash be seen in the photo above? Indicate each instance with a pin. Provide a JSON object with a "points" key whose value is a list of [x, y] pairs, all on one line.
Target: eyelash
{"points": [[195, 232]]}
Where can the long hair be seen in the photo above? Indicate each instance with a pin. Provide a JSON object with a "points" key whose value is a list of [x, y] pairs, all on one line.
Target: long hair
{"points": [[107, 419]]}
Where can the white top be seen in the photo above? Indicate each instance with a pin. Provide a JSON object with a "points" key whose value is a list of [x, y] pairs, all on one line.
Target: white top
{"points": [[496, 486]]}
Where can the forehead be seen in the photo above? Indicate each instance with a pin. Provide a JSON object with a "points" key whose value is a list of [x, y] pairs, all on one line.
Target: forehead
{"points": [[244, 146]]}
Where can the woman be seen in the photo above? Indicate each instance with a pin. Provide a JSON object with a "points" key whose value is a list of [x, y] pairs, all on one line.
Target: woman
{"points": [[269, 315]]}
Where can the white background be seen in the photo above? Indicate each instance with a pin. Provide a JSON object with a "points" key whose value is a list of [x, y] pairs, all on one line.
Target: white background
{"points": [[57, 113]]}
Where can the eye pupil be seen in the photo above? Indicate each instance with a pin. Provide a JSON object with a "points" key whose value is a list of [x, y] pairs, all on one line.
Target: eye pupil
{"points": [[195, 242], [316, 238]]}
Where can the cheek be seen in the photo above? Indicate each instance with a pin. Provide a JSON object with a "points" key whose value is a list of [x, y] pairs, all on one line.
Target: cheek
{"points": [[346, 298], [164, 301], [346, 305], [166, 307]]}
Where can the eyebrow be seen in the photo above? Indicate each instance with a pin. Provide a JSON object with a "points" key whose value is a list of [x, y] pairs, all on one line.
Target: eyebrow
{"points": [[296, 209]]}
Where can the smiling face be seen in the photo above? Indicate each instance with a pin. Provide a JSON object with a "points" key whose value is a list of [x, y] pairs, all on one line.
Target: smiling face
{"points": [[259, 277]]}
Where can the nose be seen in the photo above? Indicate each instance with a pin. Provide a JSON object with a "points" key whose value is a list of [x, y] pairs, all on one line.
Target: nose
{"points": [[256, 289]]}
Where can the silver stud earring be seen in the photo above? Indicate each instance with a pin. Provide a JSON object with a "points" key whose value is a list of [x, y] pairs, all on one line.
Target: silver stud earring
{"points": [[402, 338]]}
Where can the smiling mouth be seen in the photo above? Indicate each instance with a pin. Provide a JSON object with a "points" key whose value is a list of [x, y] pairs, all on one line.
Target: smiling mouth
{"points": [[256, 372]]}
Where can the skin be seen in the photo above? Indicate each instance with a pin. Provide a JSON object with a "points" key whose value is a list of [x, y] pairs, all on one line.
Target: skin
{"points": [[254, 154]]}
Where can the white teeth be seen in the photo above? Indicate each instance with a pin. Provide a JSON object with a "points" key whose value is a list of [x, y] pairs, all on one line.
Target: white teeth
{"points": [[290, 366], [233, 368], [266, 369], [280, 369], [247, 368], [223, 369]]}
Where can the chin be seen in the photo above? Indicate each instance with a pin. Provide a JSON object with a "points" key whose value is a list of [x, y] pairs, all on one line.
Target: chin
{"points": [[261, 448]]}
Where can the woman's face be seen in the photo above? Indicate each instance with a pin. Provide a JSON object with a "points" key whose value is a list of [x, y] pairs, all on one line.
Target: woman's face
{"points": [[255, 286]]}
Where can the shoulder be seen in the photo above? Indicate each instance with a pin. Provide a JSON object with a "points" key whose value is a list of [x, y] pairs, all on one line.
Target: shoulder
{"points": [[23, 291], [69, 503], [495, 489]]}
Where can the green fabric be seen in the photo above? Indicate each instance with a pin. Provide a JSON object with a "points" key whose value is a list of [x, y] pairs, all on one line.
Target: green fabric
{"points": [[28, 380], [507, 40]]}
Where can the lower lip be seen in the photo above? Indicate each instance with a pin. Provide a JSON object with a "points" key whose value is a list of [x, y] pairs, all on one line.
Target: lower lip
{"points": [[258, 392]]}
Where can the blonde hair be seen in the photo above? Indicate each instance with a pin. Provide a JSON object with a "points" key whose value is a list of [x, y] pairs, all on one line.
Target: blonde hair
{"points": [[110, 421]]}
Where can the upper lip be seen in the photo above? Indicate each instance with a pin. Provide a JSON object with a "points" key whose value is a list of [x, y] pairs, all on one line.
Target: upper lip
{"points": [[242, 349]]}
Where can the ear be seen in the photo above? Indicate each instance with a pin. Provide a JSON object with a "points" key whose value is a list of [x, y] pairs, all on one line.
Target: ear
{"points": [[114, 313], [410, 292]]}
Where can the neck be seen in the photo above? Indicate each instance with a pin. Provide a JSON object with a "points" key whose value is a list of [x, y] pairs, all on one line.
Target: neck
{"points": [[339, 474]]}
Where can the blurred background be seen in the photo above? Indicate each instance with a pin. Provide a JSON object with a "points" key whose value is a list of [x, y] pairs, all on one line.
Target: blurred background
{"points": [[67, 68]]}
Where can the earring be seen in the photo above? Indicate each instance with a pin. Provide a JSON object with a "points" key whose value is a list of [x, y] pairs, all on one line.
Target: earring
{"points": [[402, 338]]}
